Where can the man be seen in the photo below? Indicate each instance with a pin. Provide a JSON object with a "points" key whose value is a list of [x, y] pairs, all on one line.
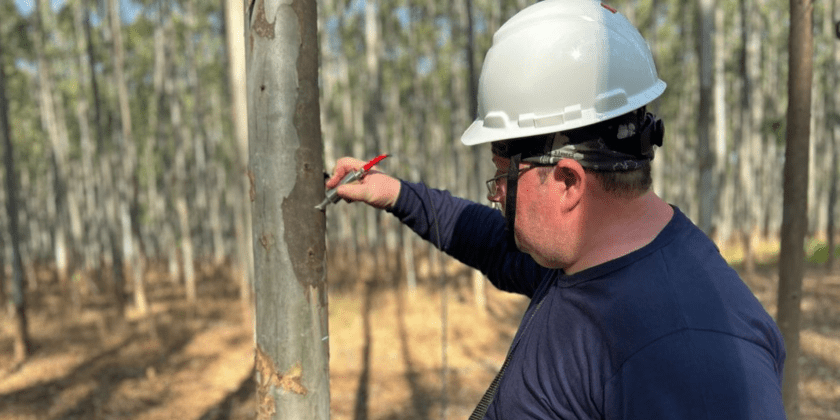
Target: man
{"points": [[634, 313]]}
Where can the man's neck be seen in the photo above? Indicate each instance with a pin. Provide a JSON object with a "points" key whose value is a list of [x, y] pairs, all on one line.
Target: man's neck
{"points": [[617, 227]]}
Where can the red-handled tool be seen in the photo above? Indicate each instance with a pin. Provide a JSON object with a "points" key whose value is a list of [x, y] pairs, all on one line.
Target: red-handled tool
{"points": [[332, 195]]}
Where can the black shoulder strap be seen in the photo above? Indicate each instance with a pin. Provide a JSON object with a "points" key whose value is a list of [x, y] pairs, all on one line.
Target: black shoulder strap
{"points": [[484, 404]]}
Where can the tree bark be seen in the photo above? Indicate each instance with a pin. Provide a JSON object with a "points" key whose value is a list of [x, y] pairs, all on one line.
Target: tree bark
{"points": [[286, 155], [22, 345], [794, 215]]}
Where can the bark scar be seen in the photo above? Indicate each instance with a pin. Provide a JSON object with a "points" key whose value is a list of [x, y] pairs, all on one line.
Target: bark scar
{"points": [[265, 373], [266, 240], [261, 25], [268, 376], [253, 191]]}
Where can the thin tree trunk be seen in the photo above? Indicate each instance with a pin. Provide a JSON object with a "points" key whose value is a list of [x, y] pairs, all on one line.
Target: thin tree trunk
{"points": [[235, 41], [758, 94], [198, 141], [179, 191], [155, 204], [706, 189], [724, 177], [372, 127], [215, 216], [54, 127], [110, 218], [97, 114], [128, 152], [22, 345], [187, 254], [88, 204], [217, 178], [3, 276], [833, 126], [286, 154], [795, 218], [96, 198], [746, 184]]}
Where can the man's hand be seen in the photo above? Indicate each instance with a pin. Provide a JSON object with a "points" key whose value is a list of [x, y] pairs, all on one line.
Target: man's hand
{"points": [[376, 188]]}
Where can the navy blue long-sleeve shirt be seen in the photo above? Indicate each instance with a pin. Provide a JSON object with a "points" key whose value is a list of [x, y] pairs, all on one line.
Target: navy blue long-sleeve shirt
{"points": [[668, 331]]}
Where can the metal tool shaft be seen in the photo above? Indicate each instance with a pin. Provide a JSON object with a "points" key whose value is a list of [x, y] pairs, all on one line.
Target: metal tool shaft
{"points": [[332, 194]]}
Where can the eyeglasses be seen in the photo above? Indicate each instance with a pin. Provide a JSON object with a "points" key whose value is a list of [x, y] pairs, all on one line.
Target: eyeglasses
{"points": [[493, 183]]}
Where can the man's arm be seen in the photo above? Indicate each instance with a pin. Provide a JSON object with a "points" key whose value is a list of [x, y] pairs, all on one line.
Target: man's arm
{"points": [[472, 233]]}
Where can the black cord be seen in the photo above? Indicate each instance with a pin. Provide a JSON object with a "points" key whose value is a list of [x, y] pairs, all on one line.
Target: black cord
{"points": [[444, 311]]}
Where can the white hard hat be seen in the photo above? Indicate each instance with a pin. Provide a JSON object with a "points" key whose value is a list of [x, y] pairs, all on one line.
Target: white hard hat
{"points": [[559, 65]]}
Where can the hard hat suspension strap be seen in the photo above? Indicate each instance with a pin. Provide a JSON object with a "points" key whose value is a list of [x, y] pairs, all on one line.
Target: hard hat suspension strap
{"points": [[510, 196]]}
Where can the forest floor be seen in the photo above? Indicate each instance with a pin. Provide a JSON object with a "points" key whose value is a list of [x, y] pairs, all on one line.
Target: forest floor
{"points": [[194, 361]]}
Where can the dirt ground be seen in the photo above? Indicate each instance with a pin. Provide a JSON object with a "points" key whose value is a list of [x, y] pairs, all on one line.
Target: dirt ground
{"points": [[195, 361]]}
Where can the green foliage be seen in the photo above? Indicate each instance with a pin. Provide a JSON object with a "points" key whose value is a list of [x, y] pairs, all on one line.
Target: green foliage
{"points": [[816, 252]]}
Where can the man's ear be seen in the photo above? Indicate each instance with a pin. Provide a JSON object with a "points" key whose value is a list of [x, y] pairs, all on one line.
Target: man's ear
{"points": [[572, 178]]}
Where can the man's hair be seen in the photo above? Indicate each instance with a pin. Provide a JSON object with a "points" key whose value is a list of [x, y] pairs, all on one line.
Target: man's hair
{"points": [[621, 184], [625, 184]]}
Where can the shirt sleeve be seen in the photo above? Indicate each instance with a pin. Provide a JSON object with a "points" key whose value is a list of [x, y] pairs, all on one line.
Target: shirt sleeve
{"points": [[695, 374], [472, 233]]}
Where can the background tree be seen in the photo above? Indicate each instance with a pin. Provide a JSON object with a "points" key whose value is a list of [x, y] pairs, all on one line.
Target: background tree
{"points": [[707, 188], [286, 160], [234, 11], [831, 23], [22, 345], [795, 216]]}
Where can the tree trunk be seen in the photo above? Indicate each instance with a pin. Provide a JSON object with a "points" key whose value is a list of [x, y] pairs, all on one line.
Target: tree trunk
{"points": [[744, 175], [235, 41], [200, 180], [96, 199], [94, 85], [22, 345], [832, 126], [706, 189], [3, 276], [723, 175], [84, 236], [286, 154], [155, 203], [126, 188], [794, 216], [187, 254], [110, 218], [182, 136], [56, 130]]}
